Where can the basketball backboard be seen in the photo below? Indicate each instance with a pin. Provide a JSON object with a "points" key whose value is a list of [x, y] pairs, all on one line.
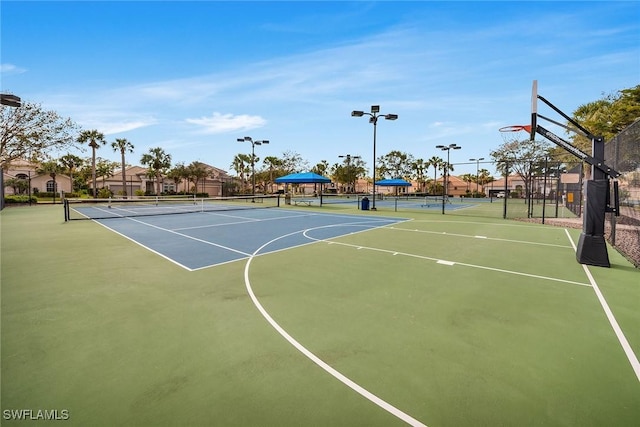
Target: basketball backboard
{"points": [[534, 111]]}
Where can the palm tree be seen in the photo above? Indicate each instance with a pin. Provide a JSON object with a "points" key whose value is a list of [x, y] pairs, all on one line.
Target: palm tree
{"points": [[71, 162], [468, 178], [197, 171], [123, 146], [418, 169], [178, 174], [157, 162], [52, 168], [241, 163], [436, 162], [272, 163], [94, 139], [105, 169]]}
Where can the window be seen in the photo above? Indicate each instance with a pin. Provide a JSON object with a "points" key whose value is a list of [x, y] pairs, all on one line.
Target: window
{"points": [[168, 187], [51, 186]]}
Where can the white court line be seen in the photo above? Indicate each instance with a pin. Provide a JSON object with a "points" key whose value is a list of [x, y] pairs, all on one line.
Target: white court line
{"points": [[144, 246], [172, 232], [451, 263], [479, 237], [246, 220], [628, 351], [206, 242], [336, 374]]}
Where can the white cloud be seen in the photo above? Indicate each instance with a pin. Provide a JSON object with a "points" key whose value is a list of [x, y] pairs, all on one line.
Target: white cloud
{"points": [[221, 123], [11, 69], [110, 122]]}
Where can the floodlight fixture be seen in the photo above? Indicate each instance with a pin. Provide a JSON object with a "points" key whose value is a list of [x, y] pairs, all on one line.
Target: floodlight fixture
{"points": [[477, 173], [448, 149], [253, 159], [10, 100], [373, 119]]}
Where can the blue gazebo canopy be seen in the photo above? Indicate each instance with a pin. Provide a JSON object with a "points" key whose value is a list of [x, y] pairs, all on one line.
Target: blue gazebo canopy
{"points": [[303, 178], [396, 182]]}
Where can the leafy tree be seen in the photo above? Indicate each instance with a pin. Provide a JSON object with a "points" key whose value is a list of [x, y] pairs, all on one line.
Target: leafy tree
{"points": [[105, 168], [605, 117], [123, 146], [178, 174], [522, 157], [292, 162], [484, 177], [197, 171], [321, 168], [71, 162], [19, 185], [273, 166], [626, 109], [395, 164], [352, 168], [83, 175], [29, 132], [158, 162], [94, 139]]}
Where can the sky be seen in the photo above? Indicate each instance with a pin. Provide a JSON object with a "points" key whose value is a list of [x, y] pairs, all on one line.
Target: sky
{"points": [[193, 77]]}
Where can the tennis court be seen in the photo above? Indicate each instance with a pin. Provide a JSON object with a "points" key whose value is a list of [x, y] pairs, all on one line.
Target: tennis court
{"points": [[314, 316], [206, 239]]}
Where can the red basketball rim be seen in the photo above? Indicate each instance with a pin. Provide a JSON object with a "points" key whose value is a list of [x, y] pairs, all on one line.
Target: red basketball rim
{"points": [[516, 128]]}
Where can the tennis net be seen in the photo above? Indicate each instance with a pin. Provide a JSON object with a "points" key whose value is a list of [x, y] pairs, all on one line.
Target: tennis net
{"points": [[75, 209]]}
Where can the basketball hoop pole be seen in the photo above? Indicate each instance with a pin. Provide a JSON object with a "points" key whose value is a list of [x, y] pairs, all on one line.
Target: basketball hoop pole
{"points": [[592, 247]]}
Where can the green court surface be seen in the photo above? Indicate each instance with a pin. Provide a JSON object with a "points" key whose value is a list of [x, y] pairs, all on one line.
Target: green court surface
{"points": [[443, 320]]}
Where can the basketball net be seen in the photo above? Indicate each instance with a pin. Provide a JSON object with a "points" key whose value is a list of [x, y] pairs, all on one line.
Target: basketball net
{"points": [[515, 133]]}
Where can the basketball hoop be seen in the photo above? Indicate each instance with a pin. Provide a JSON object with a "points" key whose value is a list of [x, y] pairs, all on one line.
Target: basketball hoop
{"points": [[515, 133]]}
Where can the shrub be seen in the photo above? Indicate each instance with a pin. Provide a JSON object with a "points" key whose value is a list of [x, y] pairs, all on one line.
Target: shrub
{"points": [[18, 199], [104, 193]]}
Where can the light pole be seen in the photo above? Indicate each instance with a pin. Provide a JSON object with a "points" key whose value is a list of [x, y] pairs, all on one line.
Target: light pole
{"points": [[349, 157], [375, 113], [477, 172], [253, 159], [445, 184], [15, 102]]}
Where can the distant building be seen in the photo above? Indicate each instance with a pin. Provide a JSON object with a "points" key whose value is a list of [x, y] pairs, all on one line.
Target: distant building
{"points": [[26, 170], [138, 180]]}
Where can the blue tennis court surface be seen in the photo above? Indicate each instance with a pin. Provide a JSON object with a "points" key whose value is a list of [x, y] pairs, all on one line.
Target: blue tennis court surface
{"points": [[205, 239]]}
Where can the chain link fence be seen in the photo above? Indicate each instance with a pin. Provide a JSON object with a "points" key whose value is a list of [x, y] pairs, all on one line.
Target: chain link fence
{"points": [[623, 154], [544, 191]]}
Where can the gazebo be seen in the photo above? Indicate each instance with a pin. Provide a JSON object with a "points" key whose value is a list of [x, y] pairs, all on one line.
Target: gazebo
{"points": [[304, 178], [395, 182]]}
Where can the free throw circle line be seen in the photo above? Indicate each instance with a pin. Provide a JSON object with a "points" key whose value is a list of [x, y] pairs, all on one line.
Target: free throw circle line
{"points": [[315, 359]]}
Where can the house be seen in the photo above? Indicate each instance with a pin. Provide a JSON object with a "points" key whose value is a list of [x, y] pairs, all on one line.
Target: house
{"points": [[512, 184], [516, 184], [457, 187], [138, 181], [37, 182]]}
